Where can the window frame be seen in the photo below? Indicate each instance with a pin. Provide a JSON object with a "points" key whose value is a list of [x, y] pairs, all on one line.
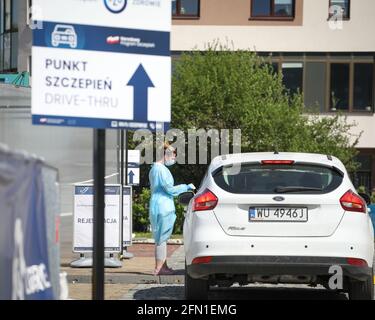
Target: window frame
{"points": [[345, 17], [327, 59], [272, 15], [351, 107], [178, 14]]}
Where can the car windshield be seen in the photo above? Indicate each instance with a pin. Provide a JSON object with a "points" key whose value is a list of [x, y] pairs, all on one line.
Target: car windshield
{"points": [[276, 179]]}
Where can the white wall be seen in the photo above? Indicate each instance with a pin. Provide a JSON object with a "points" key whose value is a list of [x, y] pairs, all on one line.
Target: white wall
{"points": [[365, 123], [313, 36]]}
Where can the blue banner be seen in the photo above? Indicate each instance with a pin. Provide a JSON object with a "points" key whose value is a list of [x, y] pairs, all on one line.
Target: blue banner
{"points": [[105, 39], [89, 190], [98, 123], [24, 265]]}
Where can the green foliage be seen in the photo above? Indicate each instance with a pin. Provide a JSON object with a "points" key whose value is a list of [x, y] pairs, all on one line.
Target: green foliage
{"points": [[226, 89], [141, 213]]}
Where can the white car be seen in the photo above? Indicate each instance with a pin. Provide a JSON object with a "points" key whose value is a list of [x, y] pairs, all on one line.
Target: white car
{"points": [[277, 218], [64, 34]]}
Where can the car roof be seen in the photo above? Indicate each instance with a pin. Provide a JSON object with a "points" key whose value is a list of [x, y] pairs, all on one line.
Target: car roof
{"points": [[259, 156]]}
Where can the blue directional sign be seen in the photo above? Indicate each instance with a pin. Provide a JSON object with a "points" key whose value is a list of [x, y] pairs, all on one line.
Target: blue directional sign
{"points": [[134, 159], [110, 68]]}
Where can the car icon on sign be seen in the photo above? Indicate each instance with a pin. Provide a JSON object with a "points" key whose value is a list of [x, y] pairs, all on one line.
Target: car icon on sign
{"points": [[64, 34]]}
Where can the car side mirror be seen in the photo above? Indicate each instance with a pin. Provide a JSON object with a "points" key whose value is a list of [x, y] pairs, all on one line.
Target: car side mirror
{"points": [[184, 198], [365, 197]]}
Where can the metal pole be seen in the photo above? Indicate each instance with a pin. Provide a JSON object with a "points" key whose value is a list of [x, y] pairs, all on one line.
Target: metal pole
{"points": [[98, 229], [126, 157], [124, 182], [122, 193], [118, 155], [122, 157]]}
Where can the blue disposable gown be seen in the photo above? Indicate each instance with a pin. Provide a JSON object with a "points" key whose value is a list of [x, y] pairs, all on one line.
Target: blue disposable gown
{"points": [[162, 210]]}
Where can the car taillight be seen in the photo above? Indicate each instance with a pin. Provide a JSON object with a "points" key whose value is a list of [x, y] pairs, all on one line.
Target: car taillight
{"points": [[202, 260], [205, 201], [277, 162], [357, 262], [350, 201]]}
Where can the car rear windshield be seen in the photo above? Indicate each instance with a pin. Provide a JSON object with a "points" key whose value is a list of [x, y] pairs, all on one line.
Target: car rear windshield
{"points": [[278, 179]]}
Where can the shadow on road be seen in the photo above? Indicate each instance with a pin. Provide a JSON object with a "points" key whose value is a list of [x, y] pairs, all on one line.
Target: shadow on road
{"points": [[241, 293]]}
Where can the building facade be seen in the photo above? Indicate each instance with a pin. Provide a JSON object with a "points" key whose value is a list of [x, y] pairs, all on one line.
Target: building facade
{"points": [[323, 48]]}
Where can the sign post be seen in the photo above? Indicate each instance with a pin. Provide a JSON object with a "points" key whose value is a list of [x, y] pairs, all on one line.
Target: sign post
{"points": [[98, 226], [102, 64]]}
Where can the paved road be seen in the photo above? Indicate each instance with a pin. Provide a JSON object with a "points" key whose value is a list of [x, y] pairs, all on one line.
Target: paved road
{"points": [[251, 292]]}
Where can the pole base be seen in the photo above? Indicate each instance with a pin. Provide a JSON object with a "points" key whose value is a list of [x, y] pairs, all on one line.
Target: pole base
{"points": [[127, 255]]}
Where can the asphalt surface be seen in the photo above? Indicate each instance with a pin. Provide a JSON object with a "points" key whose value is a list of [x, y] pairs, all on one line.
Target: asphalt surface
{"points": [[147, 287]]}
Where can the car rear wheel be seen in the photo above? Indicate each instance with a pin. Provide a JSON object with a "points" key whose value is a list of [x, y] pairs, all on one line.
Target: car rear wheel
{"points": [[195, 289], [362, 290]]}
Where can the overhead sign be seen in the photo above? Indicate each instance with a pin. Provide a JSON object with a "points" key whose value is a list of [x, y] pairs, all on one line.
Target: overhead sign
{"points": [[127, 217], [102, 64], [84, 218], [134, 160]]}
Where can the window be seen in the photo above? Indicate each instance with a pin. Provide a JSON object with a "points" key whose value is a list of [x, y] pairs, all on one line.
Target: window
{"points": [[362, 177], [293, 77], [7, 15], [363, 86], [352, 86], [185, 8], [260, 179], [338, 7], [8, 35], [14, 13], [315, 84], [272, 8], [340, 86]]}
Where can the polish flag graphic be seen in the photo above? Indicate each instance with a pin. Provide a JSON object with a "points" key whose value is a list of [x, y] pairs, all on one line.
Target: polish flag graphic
{"points": [[113, 40]]}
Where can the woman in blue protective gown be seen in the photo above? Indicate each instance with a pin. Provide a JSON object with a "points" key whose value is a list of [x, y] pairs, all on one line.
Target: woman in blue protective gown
{"points": [[162, 210]]}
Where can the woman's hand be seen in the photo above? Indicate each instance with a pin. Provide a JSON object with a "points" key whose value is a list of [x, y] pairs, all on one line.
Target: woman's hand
{"points": [[191, 187]]}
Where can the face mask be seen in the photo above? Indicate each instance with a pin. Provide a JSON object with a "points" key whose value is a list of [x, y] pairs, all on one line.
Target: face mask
{"points": [[170, 163]]}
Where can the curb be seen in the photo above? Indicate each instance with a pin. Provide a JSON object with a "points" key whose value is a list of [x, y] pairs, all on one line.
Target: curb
{"points": [[129, 279]]}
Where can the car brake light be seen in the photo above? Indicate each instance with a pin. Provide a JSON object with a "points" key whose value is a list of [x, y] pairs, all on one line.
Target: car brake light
{"points": [[205, 201], [350, 201], [201, 260], [282, 162], [357, 262]]}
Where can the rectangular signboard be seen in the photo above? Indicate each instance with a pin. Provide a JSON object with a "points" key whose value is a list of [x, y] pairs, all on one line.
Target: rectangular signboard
{"points": [[134, 171], [102, 64], [83, 218]]}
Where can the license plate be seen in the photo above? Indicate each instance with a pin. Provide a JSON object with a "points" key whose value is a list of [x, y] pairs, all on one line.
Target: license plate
{"points": [[264, 214]]}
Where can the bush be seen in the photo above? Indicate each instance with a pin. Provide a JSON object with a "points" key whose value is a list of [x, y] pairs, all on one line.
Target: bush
{"points": [[140, 211], [141, 221]]}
